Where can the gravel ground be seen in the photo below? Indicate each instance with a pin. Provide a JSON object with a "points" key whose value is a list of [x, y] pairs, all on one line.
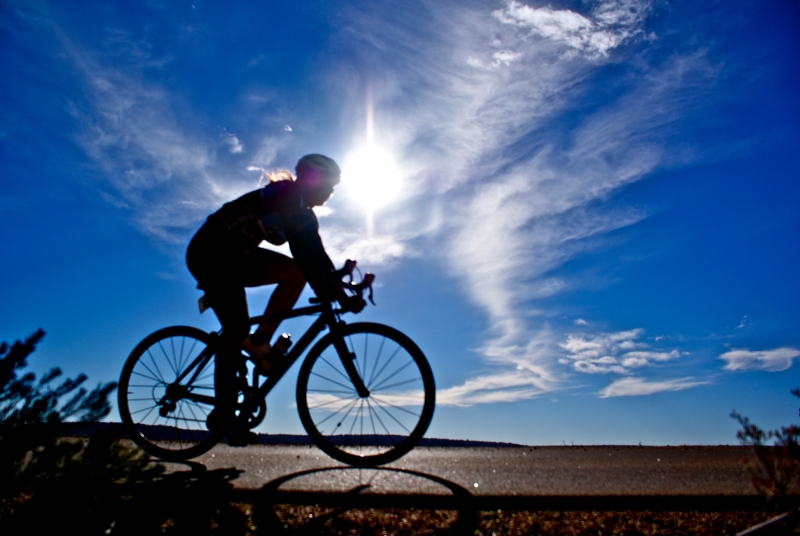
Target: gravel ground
{"points": [[298, 519]]}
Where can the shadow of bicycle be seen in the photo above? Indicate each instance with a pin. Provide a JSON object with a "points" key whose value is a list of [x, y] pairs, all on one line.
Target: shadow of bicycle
{"points": [[365, 501], [197, 501], [191, 499]]}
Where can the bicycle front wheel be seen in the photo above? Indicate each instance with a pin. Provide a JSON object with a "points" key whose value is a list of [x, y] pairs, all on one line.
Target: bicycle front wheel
{"points": [[374, 429], [166, 392]]}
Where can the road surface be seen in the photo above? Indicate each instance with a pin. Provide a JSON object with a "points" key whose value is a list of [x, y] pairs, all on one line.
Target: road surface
{"points": [[684, 475]]}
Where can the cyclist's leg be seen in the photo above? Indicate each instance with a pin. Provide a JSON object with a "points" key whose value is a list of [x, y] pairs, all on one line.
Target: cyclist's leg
{"points": [[222, 275], [266, 267], [229, 303]]}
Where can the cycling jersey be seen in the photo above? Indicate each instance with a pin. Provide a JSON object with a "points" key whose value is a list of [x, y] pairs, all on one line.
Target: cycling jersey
{"points": [[275, 213]]}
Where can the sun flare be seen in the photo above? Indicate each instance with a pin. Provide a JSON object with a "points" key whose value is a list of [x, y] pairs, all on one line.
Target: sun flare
{"points": [[371, 177]]}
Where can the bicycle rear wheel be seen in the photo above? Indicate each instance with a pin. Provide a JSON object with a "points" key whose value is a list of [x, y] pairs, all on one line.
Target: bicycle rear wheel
{"points": [[166, 392], [376, 429]]}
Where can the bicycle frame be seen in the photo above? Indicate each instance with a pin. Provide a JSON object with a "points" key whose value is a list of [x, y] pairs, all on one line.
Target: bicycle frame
{"points": [[327, 318]]}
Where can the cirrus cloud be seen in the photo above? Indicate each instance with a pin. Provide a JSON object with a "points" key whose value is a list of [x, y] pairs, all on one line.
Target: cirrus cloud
{"points": [[774, 360], [614, 23], [612, 352], [641, 387]]}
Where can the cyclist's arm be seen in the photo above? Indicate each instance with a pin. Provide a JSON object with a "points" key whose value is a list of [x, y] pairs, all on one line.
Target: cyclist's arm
{"points": [[302, 232]]}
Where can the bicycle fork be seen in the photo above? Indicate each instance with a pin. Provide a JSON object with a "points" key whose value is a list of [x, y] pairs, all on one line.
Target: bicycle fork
{"points": [[348, 360]]}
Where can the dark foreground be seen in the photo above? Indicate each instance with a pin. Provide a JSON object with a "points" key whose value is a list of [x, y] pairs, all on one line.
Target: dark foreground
{"points": [[297, 490], [200, 503], [209, 505]]}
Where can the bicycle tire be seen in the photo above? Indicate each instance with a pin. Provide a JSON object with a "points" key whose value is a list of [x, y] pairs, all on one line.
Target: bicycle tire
{"points": [[171, 433], [398, 376]]}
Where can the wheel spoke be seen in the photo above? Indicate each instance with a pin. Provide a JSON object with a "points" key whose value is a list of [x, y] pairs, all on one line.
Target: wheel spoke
{"points": [[366, 353], [404, 382], [350, 433], [180, 361], [377, 361], [153, 377], [372, 422], [331, 391], [205, 376], [200, 409], [337, 369], [349, 409], [190, 353], [334, 401], [396, 407], [150, 408], [334, 381], [392, 375], [174, 357], [395, 419], [160, 345], [388, 433], [388, 362]]}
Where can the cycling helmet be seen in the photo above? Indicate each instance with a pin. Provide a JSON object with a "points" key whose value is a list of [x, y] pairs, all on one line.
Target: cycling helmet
{"points": [[328, 167]]}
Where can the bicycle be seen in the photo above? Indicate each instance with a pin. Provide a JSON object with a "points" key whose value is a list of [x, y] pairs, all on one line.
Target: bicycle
{"points": [[365, 391]]}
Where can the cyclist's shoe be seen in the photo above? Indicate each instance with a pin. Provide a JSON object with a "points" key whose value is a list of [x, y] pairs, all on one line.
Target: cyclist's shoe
{"points": [[256, 350], [219, 421], [258, 354], [236, 432], [241, 437]]}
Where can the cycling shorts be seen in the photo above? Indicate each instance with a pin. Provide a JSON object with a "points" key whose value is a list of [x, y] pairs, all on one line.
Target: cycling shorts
{"points": [[215, 266]]}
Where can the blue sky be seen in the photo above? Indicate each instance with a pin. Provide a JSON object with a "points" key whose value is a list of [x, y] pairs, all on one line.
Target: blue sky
{"points": [[595, 238]]}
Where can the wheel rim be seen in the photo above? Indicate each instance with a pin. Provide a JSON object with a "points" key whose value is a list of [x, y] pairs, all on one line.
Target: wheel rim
{"points": [[165, 423], [388, 422]]}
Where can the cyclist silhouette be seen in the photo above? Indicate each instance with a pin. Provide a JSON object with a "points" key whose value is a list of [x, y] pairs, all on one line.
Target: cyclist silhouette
{"points": [[224, 257]]}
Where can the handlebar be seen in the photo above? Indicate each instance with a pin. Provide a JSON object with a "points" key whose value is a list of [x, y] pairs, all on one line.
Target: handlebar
{"points": [[346, 270], [357, 289]]}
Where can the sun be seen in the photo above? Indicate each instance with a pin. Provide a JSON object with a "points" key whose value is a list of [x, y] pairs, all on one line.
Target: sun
{"points": [[371, 177]]}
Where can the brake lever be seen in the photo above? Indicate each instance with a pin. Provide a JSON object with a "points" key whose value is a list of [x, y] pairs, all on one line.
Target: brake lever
{"points": [[349, 266], [367, 283], [369, 296]]}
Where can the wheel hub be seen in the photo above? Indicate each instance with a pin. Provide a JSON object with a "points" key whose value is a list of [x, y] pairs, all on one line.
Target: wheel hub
{"points": [[169, 402]]}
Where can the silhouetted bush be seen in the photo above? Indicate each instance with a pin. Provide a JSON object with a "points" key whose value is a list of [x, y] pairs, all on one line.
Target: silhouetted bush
{"points": [[25, 401], [44, 478], [778, 453]]}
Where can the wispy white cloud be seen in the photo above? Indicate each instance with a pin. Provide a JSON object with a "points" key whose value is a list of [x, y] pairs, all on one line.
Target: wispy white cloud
{"points": [[485, 147], [773, 360], [151, 152], [612, 352], [505, 57], [234, 145], [610, 24], [163, 172], [640, 387], [342, 244], [492, 388], [152, 165]]}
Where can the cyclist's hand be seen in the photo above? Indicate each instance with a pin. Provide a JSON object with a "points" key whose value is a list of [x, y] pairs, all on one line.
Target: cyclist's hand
{"points": [[354, 304], [330, 288]]}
